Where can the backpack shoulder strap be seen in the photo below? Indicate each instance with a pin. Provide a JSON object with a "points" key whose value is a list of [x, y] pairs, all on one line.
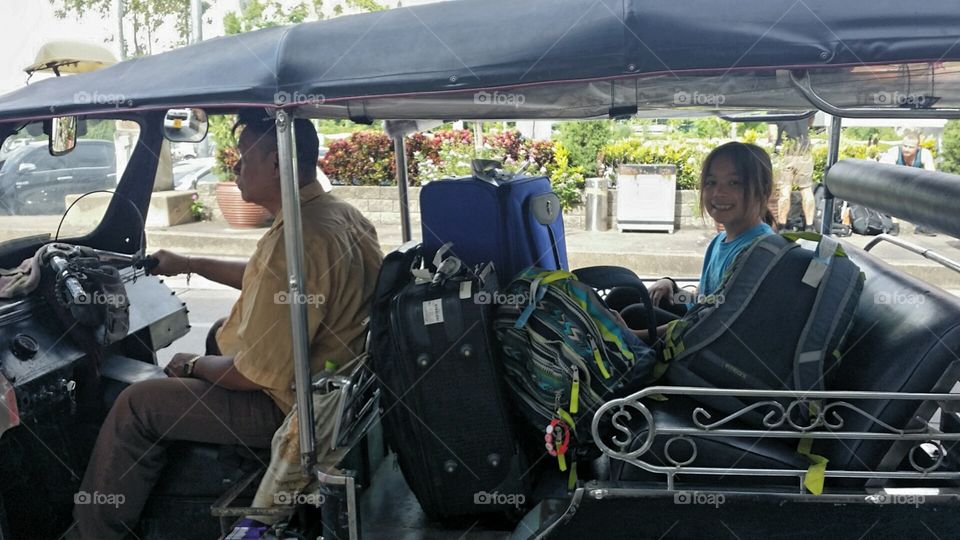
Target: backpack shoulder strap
{"points": [[839, 287], [707, 322]]}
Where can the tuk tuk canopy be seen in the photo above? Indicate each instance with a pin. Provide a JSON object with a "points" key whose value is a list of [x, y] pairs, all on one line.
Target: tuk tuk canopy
{"points": [[493, 59]]}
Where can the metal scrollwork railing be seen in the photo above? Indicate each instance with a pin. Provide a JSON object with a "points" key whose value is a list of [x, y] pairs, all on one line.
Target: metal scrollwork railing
{"points": [[630, 429]]}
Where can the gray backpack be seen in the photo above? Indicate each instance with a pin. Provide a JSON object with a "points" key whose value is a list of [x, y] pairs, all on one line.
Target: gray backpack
{"points": [[777, 322]]}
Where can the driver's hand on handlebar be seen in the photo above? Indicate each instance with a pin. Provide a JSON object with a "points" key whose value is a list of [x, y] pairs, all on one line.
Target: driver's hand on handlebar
{"points": [[170, 263], [662, 291]]}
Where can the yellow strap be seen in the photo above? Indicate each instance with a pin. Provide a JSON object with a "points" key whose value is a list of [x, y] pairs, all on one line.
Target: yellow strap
{"points": [[814, 478], [562, 462], [565, 416], [556, 275], [599, 361], [575, 397], [572, 479]]}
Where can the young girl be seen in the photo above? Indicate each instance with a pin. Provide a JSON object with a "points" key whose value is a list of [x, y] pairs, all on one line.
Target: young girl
{"points": [[735, 184]]}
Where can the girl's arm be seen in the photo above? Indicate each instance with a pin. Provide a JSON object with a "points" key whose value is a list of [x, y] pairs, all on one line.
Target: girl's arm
{"points": [[645, 335]]}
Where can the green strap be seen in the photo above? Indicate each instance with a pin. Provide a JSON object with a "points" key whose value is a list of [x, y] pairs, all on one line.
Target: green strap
{"points": [[816, 472], [813, 237]]}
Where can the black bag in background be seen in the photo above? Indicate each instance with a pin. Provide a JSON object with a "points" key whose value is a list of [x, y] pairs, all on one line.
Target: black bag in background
{"points": [[837, 227], [870, 222], [445, 412]]}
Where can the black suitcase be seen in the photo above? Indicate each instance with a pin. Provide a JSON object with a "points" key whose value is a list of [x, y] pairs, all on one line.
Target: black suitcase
{"points": [[445, 412]]}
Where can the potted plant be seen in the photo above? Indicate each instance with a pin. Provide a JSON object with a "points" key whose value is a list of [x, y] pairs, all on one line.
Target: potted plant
{"points": [[236, 211]]}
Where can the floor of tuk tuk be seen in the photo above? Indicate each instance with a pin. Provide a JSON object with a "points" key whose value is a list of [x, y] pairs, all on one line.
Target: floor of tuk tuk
{"points": [[391, 512]]}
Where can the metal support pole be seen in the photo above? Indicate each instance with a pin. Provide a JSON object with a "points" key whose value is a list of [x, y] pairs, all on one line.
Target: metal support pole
{"points": [[833, 155], [118, 13], [197, 21], [400, 149], [293, 240]]}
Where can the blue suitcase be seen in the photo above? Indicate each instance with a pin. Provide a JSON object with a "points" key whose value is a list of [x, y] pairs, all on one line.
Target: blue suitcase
{"points": [[515, 223]]}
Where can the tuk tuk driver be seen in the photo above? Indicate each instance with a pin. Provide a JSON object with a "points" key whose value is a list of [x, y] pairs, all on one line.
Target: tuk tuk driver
{"points": [[241, 390]]}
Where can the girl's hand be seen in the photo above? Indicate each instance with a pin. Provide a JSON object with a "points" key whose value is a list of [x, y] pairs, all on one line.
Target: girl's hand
{"points": [[619, 319], [662, 291]]}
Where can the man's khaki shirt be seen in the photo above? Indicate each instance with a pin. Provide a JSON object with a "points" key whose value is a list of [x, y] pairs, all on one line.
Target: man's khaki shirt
{"points": [[342, 260]]}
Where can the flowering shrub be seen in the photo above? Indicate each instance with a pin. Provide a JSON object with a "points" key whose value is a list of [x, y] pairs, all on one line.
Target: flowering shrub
{"points": [[366, 158], [420, 144], [509, 144], [567, 180], [541, 153], [462, 136], [197, 209], [226, 158], [363, 159]]}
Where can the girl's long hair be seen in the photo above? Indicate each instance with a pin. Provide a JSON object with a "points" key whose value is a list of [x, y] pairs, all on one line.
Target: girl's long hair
{"points": [[755, 170]]}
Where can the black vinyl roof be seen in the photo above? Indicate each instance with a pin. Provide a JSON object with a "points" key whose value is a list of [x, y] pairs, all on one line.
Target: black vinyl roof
{"points": [[451, 51]]}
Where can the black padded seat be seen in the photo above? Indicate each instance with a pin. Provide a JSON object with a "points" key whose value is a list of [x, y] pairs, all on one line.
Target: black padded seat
{"points": [[905, 338], [724, 453]]}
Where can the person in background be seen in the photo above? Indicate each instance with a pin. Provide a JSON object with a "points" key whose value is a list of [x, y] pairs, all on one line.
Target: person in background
{"points": [[909, 153], [793, 167]]}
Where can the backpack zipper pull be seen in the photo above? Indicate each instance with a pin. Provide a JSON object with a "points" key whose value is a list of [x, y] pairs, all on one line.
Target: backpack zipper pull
{"points": [[575, 391], [597, 358]]}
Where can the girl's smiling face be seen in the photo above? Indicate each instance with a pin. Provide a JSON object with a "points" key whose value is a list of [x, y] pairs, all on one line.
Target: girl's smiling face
{"points": [[724, 197]]}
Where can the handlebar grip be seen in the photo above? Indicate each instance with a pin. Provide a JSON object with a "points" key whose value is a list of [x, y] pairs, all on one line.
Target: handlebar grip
{"points": [[77, 294]]}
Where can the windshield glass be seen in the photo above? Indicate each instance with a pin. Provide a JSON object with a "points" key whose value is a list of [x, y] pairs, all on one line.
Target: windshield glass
{"points": [[40, 187]]}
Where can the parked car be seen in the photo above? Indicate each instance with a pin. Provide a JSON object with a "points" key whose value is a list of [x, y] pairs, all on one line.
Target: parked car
{"points": [[178, 119], [34, 182]]}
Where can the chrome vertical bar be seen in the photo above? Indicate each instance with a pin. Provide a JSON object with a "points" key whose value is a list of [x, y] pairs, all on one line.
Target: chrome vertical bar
{"points": [[293, 240], [400, 149], [833, 154]]}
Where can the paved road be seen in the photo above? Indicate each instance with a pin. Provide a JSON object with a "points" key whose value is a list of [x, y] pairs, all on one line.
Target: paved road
{"points": [[207, 302]]}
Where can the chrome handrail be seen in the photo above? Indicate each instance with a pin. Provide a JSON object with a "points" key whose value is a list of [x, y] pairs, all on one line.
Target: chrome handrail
{"points": [[926, 253], [620, 442]]}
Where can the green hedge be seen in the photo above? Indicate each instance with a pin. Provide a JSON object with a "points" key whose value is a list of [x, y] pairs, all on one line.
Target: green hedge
{"points": [[686, 156]]}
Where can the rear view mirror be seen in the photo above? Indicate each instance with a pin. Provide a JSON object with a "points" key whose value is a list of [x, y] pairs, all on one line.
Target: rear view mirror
{"points": [[63, 135], [185, 125]]}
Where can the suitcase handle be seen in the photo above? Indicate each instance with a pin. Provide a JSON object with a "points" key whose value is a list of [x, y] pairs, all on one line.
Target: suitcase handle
{"points": [[491, 170]]}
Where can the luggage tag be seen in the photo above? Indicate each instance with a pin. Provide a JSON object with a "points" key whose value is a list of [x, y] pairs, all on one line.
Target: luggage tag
{"points": [[818, 265]]}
